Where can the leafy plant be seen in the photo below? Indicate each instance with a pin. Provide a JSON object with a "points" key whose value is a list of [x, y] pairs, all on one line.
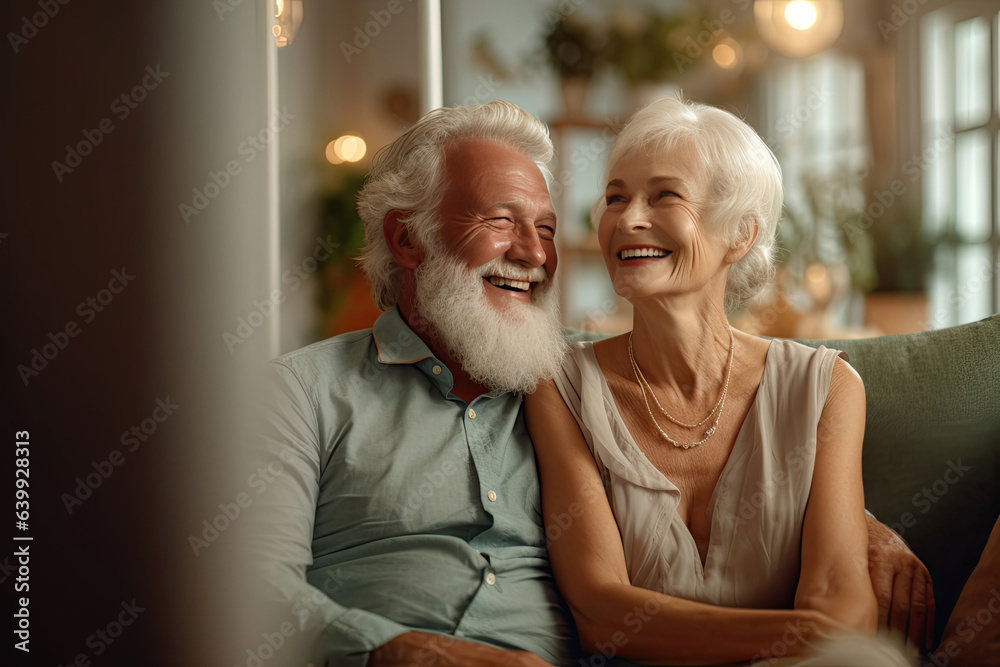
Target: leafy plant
{"points": [[574, 47], [653, 47]]}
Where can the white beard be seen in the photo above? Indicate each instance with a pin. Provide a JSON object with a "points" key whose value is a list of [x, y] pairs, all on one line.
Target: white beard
{"points": [[508, 349]]}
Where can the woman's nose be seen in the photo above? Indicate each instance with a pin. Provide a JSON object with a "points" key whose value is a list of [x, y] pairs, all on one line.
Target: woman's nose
{"points": [[633, 218]]}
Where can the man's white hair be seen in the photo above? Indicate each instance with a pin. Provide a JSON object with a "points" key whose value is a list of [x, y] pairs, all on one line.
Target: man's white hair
{"points": [[407, 175], [743, 176]]}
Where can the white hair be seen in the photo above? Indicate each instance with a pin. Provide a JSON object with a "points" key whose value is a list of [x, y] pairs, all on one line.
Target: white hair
{"points": [[744, 180], [407, 175]]}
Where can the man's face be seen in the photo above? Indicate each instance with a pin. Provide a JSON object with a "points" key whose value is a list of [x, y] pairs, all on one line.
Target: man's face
{"points": [[487, 285], [496, 205]]}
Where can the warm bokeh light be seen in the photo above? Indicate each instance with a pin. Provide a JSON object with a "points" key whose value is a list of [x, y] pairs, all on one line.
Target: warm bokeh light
{"points": [[347, 148], [726, 54], [800, 14]]}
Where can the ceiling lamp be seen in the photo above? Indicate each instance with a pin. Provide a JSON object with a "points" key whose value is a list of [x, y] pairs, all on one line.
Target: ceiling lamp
{"points": [[799, 28], [287, 18]]}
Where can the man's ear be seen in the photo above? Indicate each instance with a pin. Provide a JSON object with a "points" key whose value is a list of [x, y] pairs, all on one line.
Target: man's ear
{"points": [[742, 245], [403, 246]]}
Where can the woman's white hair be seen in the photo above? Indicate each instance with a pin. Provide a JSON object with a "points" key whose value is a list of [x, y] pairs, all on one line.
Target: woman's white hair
{"points": [[407, 175], [744, 180]]}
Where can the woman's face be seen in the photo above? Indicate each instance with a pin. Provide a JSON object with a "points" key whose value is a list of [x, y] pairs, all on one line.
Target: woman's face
{"points": [[653, 233]]}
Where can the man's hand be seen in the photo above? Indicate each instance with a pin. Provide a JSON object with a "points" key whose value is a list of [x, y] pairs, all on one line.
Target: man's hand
{"points": [[902, 585], [423, 650]]}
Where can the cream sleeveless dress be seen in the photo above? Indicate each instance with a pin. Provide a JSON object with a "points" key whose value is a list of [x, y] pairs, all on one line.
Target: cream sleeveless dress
{"points": [[757, 508], [758, 505]]}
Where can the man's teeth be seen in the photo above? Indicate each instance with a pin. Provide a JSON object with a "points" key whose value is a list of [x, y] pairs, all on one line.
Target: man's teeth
{"points": [[507, 283], [643, 252]]}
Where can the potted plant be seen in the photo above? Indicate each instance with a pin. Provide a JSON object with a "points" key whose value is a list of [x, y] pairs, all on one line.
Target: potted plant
{"points": [[653, 51], [903, 259], [574, 49]]}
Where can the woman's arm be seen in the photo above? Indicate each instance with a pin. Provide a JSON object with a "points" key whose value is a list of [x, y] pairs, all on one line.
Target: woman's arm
{"points": [[834, 578], [612, 616]]}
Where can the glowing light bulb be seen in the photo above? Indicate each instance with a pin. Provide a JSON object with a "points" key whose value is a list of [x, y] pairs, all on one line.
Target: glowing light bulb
{"points": [[725, 56], [347, 148], [800, 14]]}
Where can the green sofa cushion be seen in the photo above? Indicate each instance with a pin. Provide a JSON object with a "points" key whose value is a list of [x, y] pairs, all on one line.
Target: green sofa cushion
{"points": [[932, 443]]}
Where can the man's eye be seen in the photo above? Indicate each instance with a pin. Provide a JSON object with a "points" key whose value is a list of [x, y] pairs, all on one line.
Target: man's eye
{"points": [[547, 231]]}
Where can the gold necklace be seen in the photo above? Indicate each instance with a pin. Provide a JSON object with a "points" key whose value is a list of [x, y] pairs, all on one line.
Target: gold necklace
{"points": [[717, 410]]}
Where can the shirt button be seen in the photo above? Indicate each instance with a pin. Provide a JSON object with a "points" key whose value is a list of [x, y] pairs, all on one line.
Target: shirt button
{"points": [[491, 578], [492, 495], [472, 413], [436, 370]]}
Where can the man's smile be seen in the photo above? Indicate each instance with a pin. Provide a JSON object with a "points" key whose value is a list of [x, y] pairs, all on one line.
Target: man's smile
{"points": [[509, 283]]}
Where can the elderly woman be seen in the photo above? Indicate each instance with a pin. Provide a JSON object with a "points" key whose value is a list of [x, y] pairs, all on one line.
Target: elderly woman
{"points": [[702, 486]]}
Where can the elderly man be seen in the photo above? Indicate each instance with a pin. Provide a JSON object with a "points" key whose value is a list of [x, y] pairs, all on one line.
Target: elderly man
{"points": [[406, 525]]}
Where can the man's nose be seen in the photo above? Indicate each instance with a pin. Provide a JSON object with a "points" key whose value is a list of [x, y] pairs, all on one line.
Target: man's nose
{"points": [[527, 247]]}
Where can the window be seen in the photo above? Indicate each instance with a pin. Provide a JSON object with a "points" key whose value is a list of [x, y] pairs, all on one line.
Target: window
{"points": [[960, 141]]}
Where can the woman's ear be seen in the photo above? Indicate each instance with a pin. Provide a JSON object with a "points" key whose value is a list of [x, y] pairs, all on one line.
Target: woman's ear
{"points": [[403, 246], [741, 246]]}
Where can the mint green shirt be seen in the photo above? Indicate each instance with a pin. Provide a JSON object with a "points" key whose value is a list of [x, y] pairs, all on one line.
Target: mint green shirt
{"points": [[406, 507]]}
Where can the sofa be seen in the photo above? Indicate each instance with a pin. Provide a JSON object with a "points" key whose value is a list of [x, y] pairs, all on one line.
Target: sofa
{"points": [[931, 456]]}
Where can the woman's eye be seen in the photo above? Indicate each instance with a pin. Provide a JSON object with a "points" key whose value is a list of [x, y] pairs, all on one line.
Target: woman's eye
{"points": [[667, 193], [611, 199]]}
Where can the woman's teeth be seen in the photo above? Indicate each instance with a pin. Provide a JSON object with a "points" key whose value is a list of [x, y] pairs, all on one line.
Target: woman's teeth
{"points": [[643, 252]]}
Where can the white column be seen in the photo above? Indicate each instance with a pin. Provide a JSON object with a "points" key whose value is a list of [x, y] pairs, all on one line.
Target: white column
{"points": [[431, 74]]}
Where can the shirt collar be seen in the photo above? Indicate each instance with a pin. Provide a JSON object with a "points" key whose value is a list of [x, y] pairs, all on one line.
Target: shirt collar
{"points": [[396, 342]]}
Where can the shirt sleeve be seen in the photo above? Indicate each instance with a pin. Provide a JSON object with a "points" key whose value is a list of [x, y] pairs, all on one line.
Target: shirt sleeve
{"points": [[281, 532]]}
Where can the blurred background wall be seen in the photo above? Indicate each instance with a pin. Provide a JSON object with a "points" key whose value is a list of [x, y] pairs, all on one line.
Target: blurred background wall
{"points": [[883, 115]]}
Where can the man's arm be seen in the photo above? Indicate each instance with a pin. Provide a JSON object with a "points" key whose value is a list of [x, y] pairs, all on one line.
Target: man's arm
{"points": [[281, 541], [902, 584], [415, 648], [287, 446]]}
